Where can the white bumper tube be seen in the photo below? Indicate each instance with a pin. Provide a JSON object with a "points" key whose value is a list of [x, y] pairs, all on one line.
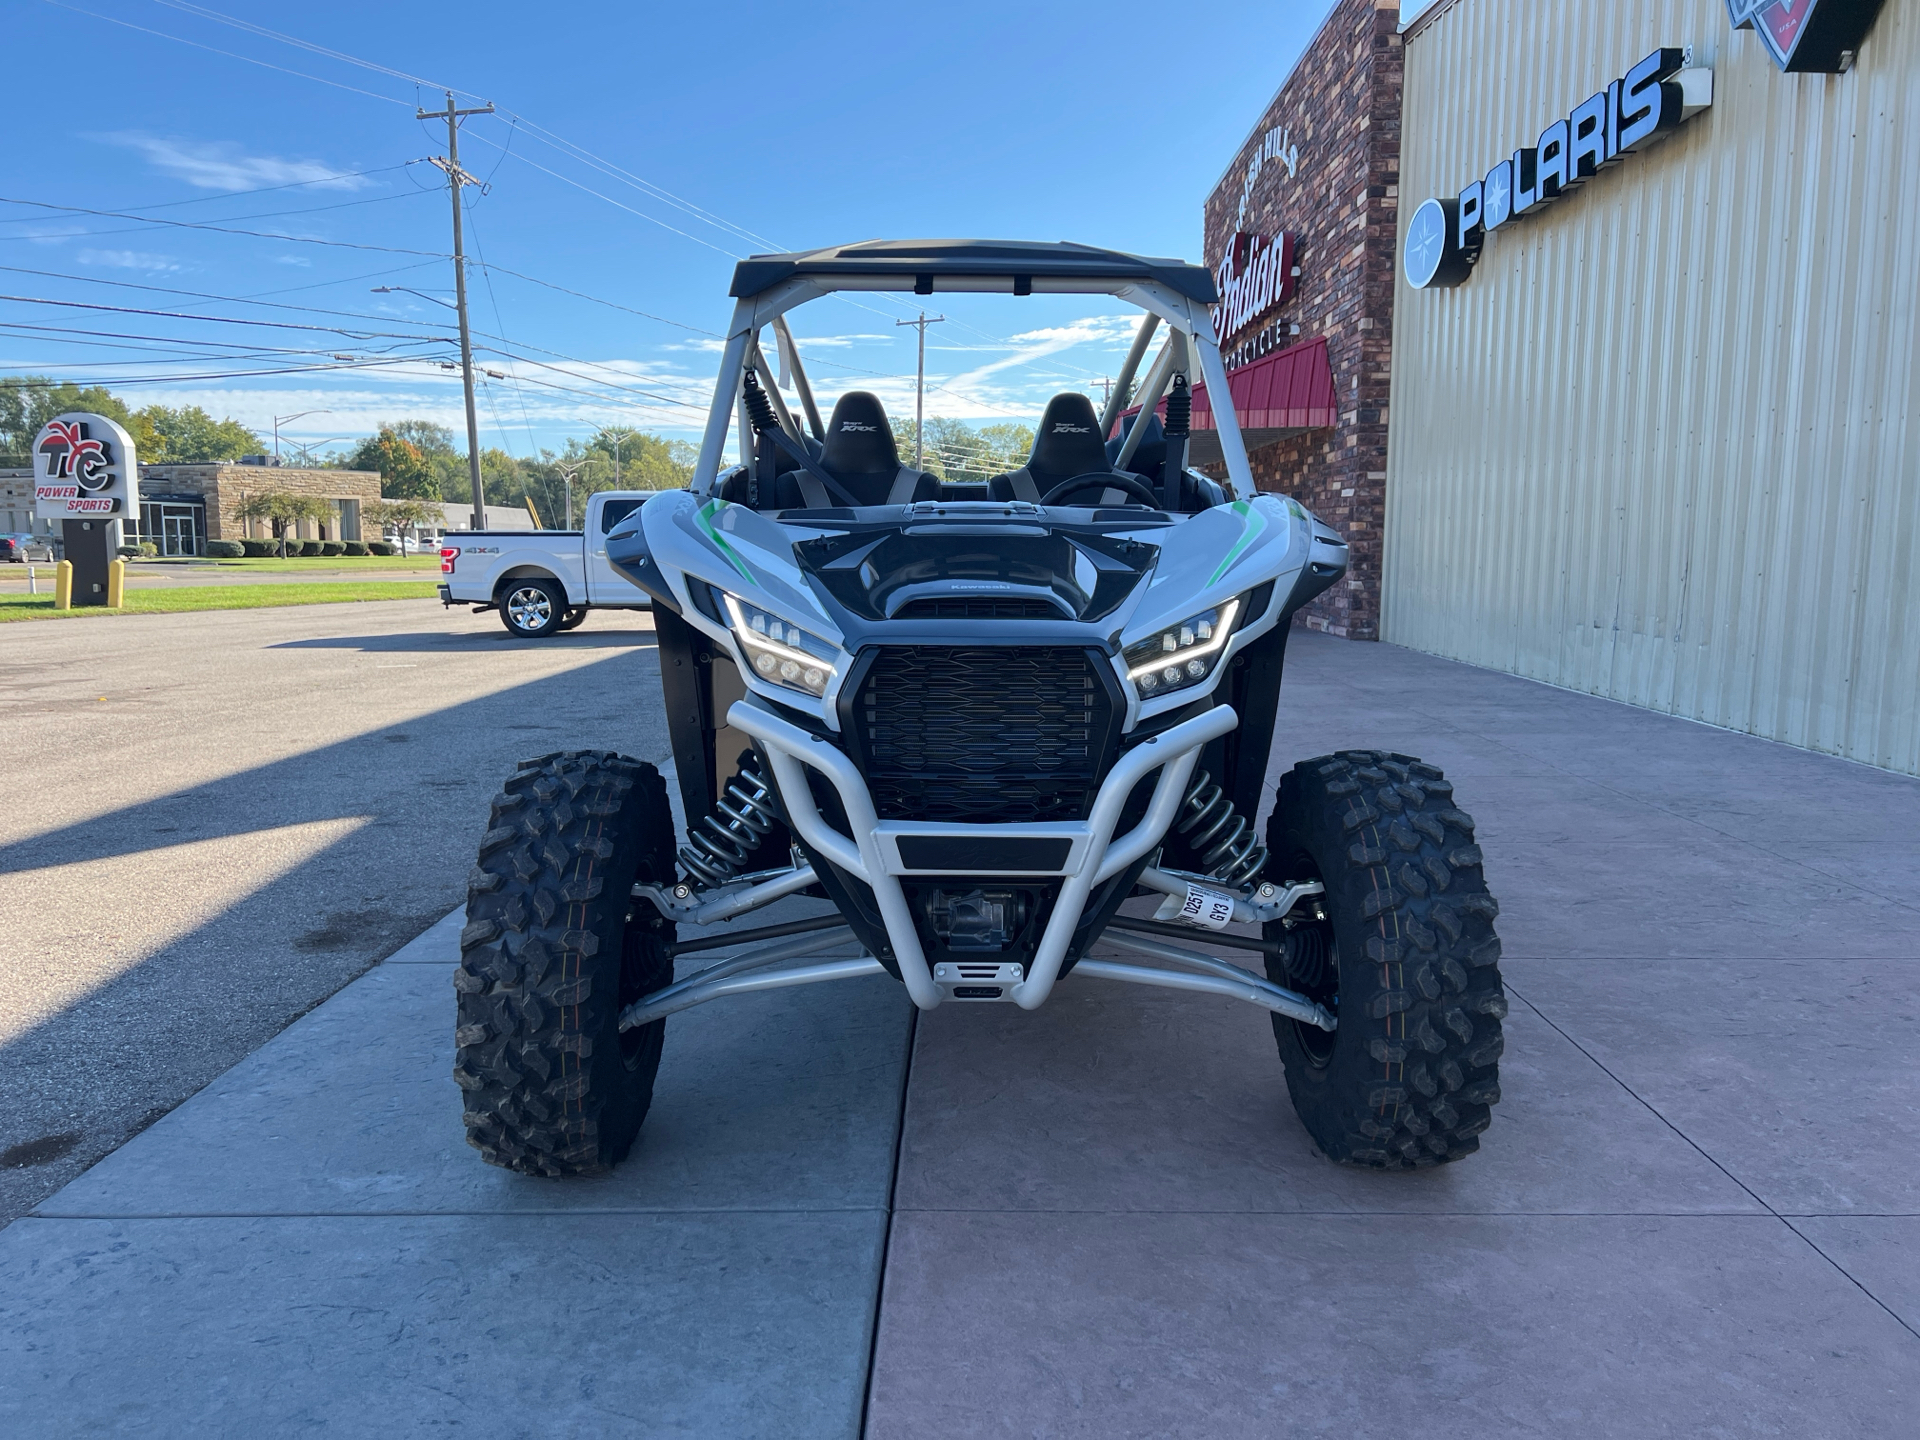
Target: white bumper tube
{"points": [[1096, 855]]}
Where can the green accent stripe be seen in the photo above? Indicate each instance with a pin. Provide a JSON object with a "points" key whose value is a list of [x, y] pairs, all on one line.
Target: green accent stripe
{"points": [[704, 515], [1252, 523]]}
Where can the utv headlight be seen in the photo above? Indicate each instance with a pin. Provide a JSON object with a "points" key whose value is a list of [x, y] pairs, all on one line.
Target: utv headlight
{"points": [[1180, 656], [779, 651]]}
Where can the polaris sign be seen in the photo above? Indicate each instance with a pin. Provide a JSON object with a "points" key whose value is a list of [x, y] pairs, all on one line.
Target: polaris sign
{"points": [[1647, 104]]}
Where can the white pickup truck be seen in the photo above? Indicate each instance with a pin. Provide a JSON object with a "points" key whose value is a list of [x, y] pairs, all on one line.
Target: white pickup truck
{"points": [[542, 581]]}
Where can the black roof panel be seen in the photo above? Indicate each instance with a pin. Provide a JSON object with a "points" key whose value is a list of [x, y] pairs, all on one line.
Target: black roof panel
{"points": [[911, 259]]}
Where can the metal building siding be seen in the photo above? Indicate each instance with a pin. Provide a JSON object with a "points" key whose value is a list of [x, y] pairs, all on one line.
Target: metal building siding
{"points": [[1661, 445]]}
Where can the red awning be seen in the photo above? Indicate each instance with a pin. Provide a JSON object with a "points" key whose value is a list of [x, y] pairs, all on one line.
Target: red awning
{"points": [[1290, 389]]}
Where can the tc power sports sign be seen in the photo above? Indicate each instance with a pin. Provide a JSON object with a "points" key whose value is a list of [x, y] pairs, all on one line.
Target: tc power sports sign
{"points": [[1648, 103], [83, 465]]}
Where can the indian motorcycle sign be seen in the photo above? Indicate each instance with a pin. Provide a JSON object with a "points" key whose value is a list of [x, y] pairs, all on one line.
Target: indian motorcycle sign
{"points": [[1807, 36], [83, 465], [1256, 277]]}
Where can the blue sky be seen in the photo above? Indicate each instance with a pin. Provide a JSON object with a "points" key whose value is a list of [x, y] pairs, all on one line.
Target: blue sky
{"points": [[639, 150]]}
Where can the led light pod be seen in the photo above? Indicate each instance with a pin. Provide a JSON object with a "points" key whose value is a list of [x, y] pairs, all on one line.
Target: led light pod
{"points": [[1179, 657], [779, 651]]}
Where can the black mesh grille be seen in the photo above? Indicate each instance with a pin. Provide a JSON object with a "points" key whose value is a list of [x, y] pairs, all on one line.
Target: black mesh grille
{"points": [[982, 735], [978, 607]]}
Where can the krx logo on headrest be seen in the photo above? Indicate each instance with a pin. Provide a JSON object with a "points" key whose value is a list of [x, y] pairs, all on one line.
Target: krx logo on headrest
{"points": [[1062, 427], [846, 425]]}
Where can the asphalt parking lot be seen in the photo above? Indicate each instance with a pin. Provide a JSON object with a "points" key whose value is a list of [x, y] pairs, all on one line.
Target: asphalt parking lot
{"points": [[1695, 1214], [213, 821]]}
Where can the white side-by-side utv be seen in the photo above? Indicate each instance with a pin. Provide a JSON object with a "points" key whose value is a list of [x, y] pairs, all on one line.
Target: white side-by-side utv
{"points": [[978, 719]]}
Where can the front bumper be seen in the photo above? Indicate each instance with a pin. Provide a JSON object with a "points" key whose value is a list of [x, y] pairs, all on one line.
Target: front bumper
{"points": [[1081, 854]]}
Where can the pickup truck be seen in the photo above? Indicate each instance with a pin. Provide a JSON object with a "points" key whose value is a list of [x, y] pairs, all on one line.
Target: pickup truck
{"points": [[542, 581]]}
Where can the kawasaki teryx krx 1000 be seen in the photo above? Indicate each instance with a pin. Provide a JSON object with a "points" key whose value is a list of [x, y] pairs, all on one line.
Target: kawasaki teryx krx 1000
{"points": [[977, 719]]}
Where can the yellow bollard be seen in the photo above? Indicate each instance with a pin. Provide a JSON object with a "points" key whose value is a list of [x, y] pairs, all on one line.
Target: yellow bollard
{"points": [[63, 585], [116, 584]]}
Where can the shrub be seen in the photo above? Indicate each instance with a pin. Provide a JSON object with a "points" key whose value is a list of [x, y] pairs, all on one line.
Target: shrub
{"points": [[379, 547], [225, 549], [309, 549], [260, 549], [145, 550], [333, 547], [355, 547]]}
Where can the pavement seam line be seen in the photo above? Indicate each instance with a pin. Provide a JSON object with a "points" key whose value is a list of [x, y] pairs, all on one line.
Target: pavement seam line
{"points": [[1653, 1110], [1904, 904], [886, 1235]]}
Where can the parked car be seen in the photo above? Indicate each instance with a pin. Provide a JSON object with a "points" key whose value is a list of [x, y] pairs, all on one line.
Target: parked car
{"points": [[542, 581], [18, 549]]}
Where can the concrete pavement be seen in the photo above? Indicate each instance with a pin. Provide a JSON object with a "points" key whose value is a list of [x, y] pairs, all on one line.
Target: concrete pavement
{"points": [[1695, 1213], [213, 821]]}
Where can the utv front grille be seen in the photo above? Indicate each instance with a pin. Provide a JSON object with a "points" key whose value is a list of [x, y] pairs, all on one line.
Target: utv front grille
{"points": [[979, 607], [983, 736]]}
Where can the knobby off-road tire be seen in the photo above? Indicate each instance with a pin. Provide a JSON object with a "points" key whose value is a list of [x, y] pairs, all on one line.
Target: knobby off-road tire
{"points": [[1405, 955], [554, 948]]}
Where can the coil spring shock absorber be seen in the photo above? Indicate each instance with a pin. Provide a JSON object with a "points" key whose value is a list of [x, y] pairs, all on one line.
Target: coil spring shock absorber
{"points": [[1228, 848], [761, 417], [721, 844]]}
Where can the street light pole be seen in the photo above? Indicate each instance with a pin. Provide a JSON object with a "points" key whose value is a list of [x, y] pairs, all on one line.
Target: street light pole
{"points": [[456, 177], [920, 385], [566, 475], [279, 420]]}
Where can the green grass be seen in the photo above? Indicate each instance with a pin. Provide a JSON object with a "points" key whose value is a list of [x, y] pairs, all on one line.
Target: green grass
{"points": [[222, 597], [391, 564]]}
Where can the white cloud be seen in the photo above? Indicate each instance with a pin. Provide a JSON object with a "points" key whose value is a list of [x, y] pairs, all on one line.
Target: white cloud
{"points": [[223, 165], [302, 261], [126, 260]]}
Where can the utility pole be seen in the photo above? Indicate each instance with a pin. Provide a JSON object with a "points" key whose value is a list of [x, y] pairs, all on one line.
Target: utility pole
{"points": [[1105, 382], [920, 386], [456, 177]]}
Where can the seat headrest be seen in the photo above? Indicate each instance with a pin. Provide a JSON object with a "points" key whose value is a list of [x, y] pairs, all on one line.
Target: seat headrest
{"points": [[1152, 435], [859, 437], [1067, 442]]}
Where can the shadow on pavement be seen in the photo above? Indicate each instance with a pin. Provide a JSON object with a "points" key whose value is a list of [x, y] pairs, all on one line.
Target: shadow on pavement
{"points": [[120, 1056], [483, 643]]}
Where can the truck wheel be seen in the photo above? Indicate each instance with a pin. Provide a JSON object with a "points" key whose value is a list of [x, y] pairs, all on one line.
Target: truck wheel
{"points": [[533, 608], [555, 947], [1401, 948]]}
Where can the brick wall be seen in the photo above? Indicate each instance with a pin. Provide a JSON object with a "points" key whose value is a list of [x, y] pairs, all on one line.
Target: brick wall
{"points": [[1341, 107], [226, 486]]}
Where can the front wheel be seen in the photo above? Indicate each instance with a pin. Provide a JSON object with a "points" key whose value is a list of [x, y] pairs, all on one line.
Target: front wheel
{"points": [[554, 949], [1401, 948], [534, 608]]}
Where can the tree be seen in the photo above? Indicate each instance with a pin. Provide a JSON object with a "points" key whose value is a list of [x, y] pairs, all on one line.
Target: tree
{"points": [[190, 436], [405, 473], [405, 516], [283, 512], [28, 401], [957, 452]]}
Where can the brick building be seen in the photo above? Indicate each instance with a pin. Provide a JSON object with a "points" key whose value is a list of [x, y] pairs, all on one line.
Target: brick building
{"points": [[184, 506], [1319, 176]]}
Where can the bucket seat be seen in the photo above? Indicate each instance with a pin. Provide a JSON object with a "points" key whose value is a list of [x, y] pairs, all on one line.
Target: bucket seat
{"points": [[1065, 446]]}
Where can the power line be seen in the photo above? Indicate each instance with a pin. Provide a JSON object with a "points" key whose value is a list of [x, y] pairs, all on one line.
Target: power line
{"points": [[205, 295], [220, 229], [222, 319], [213, 50]]}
